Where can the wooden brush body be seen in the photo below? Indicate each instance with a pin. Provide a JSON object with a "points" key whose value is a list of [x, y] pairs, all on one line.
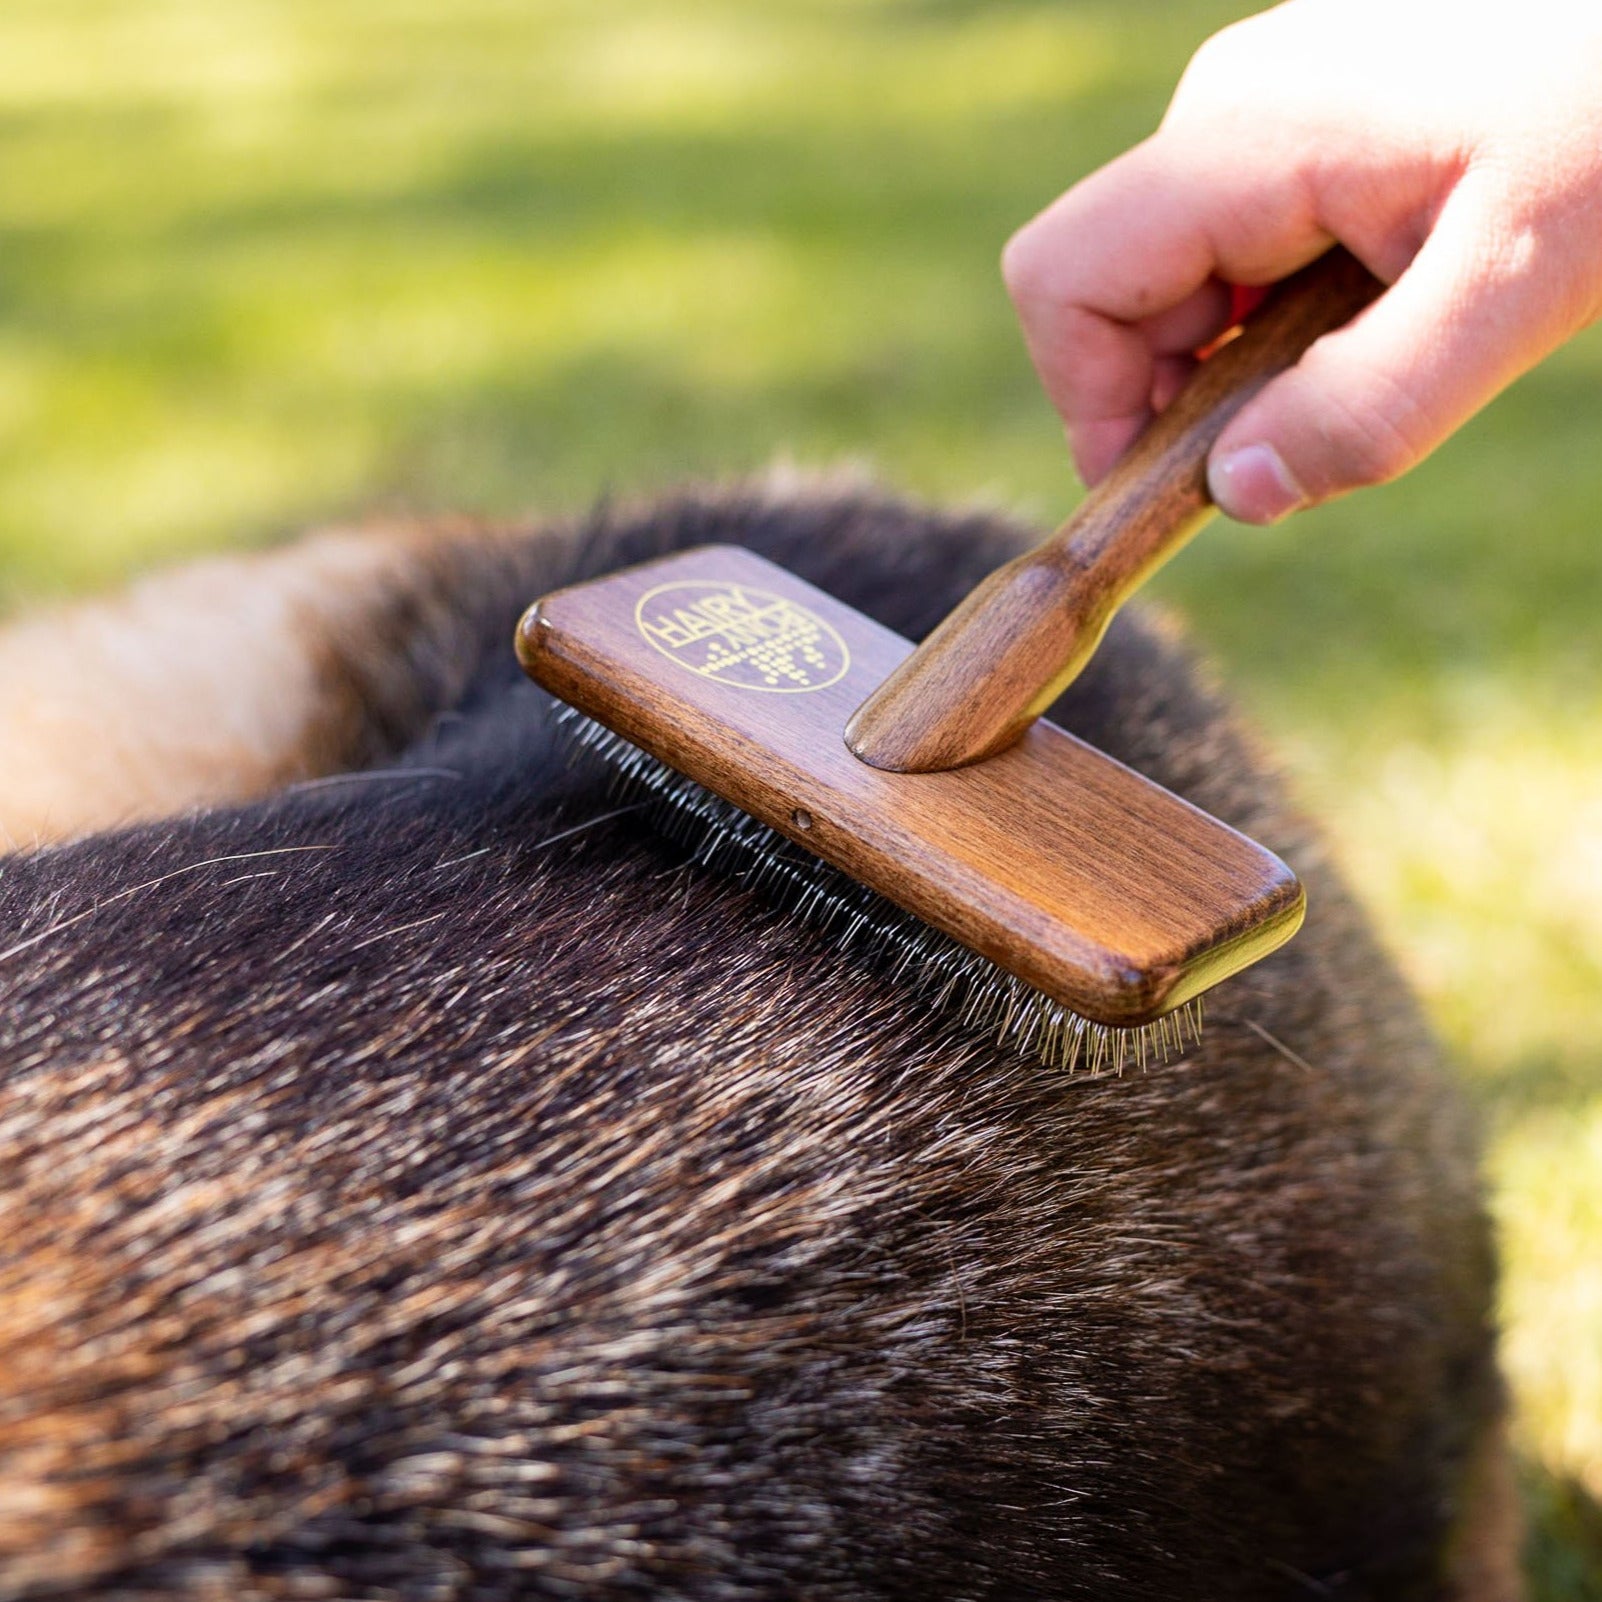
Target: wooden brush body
{"points": [[1099, 889]]}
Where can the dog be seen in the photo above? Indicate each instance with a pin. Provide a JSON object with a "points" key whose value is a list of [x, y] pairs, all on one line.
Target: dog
{"points": [[417, 1182]]}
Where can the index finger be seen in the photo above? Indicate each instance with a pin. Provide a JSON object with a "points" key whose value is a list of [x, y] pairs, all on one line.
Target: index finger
{"points": [[1109, 275]]}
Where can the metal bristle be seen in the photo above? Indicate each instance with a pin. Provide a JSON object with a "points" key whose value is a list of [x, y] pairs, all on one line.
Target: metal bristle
{"points": [[719, 836]]}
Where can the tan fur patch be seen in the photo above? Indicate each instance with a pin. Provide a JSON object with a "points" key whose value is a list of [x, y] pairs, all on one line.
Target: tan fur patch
{"points": [[199, 686]]}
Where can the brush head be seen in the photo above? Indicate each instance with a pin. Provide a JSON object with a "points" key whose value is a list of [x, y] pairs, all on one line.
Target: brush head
{"points": [[955, 980], [1111, 897]]}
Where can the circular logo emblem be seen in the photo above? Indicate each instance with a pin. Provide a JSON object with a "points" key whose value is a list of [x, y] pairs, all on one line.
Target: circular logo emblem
{"points": [[752, 639]]}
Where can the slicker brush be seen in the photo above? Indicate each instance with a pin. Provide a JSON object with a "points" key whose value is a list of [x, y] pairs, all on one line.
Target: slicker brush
{"points": [[912, 801]]}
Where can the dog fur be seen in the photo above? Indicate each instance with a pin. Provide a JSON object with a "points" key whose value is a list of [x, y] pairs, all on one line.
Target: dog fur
{"points": [[416, 1183]]}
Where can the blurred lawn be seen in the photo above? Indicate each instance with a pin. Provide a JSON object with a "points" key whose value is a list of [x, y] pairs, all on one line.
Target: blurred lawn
{"points": [[267, 262]]}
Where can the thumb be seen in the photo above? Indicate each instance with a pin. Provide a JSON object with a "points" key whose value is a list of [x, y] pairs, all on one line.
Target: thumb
{"points": [[1371, 400]]}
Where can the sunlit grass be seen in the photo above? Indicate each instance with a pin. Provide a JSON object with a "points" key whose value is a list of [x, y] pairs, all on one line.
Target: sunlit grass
{"points": [[1485, 851], [1479, 846], [1549, 1188], [264, 263]]}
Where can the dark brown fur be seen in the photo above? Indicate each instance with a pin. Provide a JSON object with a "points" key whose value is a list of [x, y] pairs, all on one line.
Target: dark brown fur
{"points": [[419, 1185]]}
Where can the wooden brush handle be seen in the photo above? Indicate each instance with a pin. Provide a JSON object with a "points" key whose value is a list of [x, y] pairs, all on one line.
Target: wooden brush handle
{"points": [[1012, 646]]}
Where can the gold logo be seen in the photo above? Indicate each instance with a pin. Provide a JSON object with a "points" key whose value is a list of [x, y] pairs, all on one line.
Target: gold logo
{"points": [[752, 639]]}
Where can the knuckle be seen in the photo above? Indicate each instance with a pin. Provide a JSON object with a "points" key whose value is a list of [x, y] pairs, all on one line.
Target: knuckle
{"points": [[1039, 274], [1536, 261], [1214, 66], [1034, 270], [1019, 268], [1215, 52], [1530, 268], [1516, 252]]}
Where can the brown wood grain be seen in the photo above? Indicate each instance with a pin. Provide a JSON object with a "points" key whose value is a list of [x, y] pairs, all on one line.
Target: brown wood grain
{"points": [[1021, 636], [1096, 886]]}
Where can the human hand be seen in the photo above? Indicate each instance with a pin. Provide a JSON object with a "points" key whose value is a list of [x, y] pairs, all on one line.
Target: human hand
{"points": [[1457, 151]]}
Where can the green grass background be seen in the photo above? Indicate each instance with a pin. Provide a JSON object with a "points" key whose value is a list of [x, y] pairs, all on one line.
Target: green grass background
{"points": [[262, 263]]}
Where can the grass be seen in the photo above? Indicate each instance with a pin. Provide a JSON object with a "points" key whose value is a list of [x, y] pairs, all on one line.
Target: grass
{"points": [[268, 262]]}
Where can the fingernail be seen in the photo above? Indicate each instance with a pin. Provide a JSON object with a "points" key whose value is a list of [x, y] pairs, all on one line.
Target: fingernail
{"points": [[1253, 485]]}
